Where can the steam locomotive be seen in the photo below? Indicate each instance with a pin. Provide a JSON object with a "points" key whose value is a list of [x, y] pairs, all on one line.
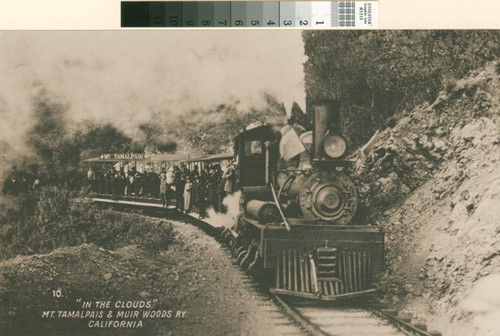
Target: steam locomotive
{"points": [[297, 207]]}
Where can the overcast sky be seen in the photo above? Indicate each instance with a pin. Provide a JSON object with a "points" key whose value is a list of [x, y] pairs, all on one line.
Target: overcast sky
{"points": [[124, 77]]}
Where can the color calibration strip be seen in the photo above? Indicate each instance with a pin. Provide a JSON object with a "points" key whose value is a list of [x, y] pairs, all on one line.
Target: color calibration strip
{"points": [[254, 14]]}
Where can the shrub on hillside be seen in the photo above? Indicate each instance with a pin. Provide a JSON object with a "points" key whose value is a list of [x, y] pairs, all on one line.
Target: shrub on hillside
{"points": [[111, 229], [42, 222]]}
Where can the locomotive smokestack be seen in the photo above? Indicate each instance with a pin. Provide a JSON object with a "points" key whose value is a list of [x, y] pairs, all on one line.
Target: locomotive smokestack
{"points": [[326, 117]]}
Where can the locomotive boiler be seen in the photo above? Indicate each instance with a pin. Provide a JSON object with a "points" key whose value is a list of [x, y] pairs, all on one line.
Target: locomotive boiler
{"points": [[297, 208]]}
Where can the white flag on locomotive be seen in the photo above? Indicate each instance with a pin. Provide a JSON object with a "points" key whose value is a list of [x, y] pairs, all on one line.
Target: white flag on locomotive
{"points": [[290, 144]]}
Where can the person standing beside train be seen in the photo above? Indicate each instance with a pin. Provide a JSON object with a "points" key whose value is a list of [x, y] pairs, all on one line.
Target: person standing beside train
{"points": [[170, 176], [188, 188], [139, 184], [108, 181], [229, 179], [226, 186], [129, 183], [122, 182], [163, 190], [155, 185], [148, 183], [179, 189], [185, 171], [209, 188], [201, 197], [195, 172], [219, 184], [91, 179], [116, 183]]}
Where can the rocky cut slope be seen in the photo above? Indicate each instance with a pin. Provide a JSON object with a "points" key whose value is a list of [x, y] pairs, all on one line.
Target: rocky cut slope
{"points": [[433, 182]]}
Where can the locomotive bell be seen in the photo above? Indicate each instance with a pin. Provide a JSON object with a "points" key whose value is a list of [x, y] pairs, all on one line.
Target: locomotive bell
{"points": [[327, 121]]}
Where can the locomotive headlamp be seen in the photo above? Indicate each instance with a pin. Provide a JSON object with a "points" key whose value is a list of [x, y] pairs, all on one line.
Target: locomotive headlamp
{"points": [[334, 145]]}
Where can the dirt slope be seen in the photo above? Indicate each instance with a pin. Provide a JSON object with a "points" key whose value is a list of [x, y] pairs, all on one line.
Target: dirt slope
{"points": [[433, 182], [194, 275]]}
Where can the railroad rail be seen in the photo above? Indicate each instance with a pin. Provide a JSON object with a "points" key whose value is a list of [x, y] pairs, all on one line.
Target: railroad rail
{"points": [[348, 320], [315, 318]]}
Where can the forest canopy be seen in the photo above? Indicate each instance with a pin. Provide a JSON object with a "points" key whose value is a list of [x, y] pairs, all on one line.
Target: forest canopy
{"points": [[376, 74]]}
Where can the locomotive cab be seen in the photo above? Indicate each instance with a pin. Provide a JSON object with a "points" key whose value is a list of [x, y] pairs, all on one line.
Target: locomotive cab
{"points": [[257, 152]]}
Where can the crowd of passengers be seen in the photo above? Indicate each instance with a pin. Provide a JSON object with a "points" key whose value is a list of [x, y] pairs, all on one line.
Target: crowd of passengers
{"points": [[193, 190]]}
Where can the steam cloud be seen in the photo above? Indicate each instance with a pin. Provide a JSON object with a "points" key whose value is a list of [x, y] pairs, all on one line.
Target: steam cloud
{"points": [[136, 76], [232, 203]]}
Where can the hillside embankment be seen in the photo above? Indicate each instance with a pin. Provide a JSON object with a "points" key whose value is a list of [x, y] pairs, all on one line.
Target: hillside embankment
{"points": [[433, 182], [187, 285]]}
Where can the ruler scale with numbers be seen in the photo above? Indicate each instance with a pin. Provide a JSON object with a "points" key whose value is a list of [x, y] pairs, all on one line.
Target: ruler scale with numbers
{"points": [[254, 14]]}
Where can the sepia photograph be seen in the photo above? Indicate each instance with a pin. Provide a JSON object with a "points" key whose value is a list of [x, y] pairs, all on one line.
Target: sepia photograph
{"points": [[250, 182]]}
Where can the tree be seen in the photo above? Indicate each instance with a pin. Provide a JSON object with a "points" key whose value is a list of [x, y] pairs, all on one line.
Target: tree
{"points": [[376, 74], [57, 155], [212, 129], [155, 139], [98, 139]]}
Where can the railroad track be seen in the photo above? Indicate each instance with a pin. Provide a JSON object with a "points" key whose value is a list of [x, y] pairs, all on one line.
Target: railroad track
{"points": [[349, 320], [321, 320], [314, 318], [317, 319]]}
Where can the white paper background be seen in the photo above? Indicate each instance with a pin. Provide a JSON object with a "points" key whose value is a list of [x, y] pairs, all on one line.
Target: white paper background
{"points": [[393, 14]]}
